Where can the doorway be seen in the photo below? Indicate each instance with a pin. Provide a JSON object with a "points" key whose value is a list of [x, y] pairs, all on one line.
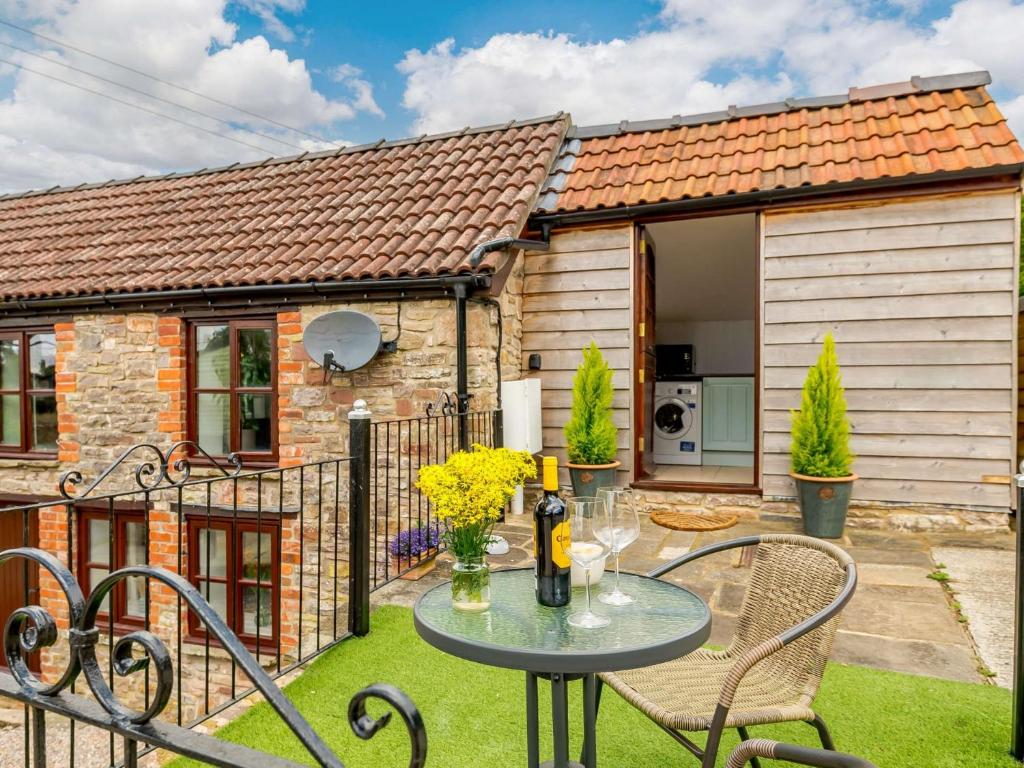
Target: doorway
{"points": [[697, 329]]}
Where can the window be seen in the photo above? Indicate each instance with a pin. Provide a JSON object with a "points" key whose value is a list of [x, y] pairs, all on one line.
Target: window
{"points": [[28, 398], [233, 391], [102, 550], [234, 564]]}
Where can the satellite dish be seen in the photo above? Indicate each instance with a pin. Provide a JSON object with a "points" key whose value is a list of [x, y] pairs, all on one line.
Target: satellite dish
{"points": [[342, 341]]}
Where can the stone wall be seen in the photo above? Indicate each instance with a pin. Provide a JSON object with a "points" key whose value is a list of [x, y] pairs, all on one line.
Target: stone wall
{"points": [[121, 380], [862, 514]]}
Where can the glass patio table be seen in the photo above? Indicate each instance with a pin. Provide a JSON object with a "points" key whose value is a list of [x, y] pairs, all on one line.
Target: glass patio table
{"points": [[666, 622]]}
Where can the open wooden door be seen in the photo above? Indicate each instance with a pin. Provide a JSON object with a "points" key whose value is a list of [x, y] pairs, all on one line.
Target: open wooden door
{"points": [[644, 362]]}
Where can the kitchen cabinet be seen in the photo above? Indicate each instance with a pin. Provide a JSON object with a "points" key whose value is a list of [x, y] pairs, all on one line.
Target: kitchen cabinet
{"points": [[728, 420]]}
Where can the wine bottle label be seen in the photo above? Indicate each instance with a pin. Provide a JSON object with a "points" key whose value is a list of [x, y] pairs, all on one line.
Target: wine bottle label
{"points": [[560, 543]]}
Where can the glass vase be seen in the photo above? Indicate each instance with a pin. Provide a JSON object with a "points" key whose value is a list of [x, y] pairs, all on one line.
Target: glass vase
{"points": [[471, 584]]}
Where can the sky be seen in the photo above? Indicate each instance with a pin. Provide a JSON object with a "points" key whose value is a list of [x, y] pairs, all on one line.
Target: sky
{"points": [[97, 89]]}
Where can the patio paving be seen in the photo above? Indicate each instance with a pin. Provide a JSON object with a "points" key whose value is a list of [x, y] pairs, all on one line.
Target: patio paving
{"points": [[899, 619]]}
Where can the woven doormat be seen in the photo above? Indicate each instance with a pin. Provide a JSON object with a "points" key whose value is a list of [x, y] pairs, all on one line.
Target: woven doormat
{"points": [[690, 521]]}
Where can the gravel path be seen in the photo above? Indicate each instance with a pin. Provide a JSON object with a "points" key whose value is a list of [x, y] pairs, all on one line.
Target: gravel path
{"points": [[983, 582]]}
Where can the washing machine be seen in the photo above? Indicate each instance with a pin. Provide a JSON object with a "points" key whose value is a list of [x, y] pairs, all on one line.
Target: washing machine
{"points": [[677, 420]]}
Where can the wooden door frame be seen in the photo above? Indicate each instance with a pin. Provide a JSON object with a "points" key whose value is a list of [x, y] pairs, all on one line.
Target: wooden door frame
{"points": [[637, 426]]}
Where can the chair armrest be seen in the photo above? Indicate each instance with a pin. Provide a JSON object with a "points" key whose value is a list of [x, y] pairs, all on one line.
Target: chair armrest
{"points": [[710, 549], [821, 758]]}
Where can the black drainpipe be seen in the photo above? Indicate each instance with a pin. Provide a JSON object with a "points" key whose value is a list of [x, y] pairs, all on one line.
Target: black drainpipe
{"points": [[461, 364]]}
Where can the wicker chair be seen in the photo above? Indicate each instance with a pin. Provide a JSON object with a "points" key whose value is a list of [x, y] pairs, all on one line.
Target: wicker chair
{"points": [[771, 670], [749, 751]]}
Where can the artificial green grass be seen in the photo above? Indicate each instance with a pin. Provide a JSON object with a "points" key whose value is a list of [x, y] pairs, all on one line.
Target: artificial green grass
{"points": [[475, 714]]}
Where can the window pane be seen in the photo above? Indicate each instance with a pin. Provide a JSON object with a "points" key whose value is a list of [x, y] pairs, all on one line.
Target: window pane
{"points": [[256, 612], [10, 419], [99, 540], [44, 422], [213, 418], [217, 596], [218, 552], [135, 597], [10, 364], [135, 543], [254, 415], [213, 359], [96, 575], [249, 552], [254, 357], [42, 361]]}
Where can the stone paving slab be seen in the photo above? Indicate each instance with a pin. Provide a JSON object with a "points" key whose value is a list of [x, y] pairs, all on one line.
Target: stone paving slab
{"points": [[983, 580], [899, 619], [917, 657]]}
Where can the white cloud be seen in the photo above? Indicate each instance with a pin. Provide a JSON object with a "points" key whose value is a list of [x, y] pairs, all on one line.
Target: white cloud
{"points": [[267, 11], [707, 54], [362, 91], [51, 133]]}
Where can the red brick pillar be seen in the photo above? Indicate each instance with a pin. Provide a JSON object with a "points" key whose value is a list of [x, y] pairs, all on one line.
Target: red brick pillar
{"points": [[171, 377], [53, 538], [289, 373], [291, 454]]}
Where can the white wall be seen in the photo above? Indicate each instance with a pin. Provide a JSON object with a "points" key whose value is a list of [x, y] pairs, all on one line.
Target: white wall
{"points": [[706, 290], [722, 346]]}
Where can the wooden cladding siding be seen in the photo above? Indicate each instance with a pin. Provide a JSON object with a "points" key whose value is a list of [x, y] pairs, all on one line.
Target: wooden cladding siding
{"points": [[577, 292], [921, 298], [1020, 387]]}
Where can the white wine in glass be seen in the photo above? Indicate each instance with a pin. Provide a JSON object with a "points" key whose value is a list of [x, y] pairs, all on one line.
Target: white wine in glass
{"points": [[622, 530], [586, 514]]}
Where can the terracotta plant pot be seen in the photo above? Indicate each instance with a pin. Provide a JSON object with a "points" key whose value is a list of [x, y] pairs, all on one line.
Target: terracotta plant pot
{"points": [[823, 503], [417, 570], [587, 478]]}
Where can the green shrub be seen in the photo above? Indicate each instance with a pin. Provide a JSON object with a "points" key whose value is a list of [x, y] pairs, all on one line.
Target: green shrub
{"points": [[590, 433], [821, 431]]}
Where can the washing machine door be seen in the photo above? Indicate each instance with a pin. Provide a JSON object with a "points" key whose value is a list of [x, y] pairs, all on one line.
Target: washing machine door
{"points": [[672, 418]]}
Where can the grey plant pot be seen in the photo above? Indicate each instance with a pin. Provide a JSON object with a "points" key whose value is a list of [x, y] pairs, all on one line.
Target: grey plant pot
{"points": [[587, 478], [824, 502]]}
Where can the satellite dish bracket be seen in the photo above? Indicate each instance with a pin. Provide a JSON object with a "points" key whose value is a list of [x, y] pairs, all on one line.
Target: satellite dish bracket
{"points": [[331, 367]]}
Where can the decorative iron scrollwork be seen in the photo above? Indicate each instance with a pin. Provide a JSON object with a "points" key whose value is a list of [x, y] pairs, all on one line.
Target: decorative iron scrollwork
{"points": [[365, 726], [447, 404], [31, 628], [155, 471]]}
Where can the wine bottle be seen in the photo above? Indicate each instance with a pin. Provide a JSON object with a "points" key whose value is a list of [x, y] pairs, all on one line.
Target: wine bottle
{"points": [[551, 542]]}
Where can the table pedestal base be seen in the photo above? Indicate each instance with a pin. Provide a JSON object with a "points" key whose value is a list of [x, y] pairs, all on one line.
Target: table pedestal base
{"points": [[560, 721]]}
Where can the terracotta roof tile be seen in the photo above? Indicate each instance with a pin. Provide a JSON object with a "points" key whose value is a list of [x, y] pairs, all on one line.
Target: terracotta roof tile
{"points": [[400, 209], [892, 131]]}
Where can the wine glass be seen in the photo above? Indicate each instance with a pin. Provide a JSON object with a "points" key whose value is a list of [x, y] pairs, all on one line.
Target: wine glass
{"points": [[585, 514], [622, 530]]}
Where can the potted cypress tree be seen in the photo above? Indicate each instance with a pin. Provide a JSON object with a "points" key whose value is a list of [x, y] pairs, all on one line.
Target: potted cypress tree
{"points": [[590, 433], [820, 453]]}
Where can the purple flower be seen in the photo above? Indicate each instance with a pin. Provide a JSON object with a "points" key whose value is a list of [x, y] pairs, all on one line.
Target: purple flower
{"points": [[415, 541]]}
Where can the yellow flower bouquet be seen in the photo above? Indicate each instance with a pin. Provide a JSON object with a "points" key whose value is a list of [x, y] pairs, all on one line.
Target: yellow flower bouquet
{"points": [[469, 491]]}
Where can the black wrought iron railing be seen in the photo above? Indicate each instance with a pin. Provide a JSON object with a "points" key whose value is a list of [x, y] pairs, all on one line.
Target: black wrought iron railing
{"points": [[404, 533], [223, 579]]}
